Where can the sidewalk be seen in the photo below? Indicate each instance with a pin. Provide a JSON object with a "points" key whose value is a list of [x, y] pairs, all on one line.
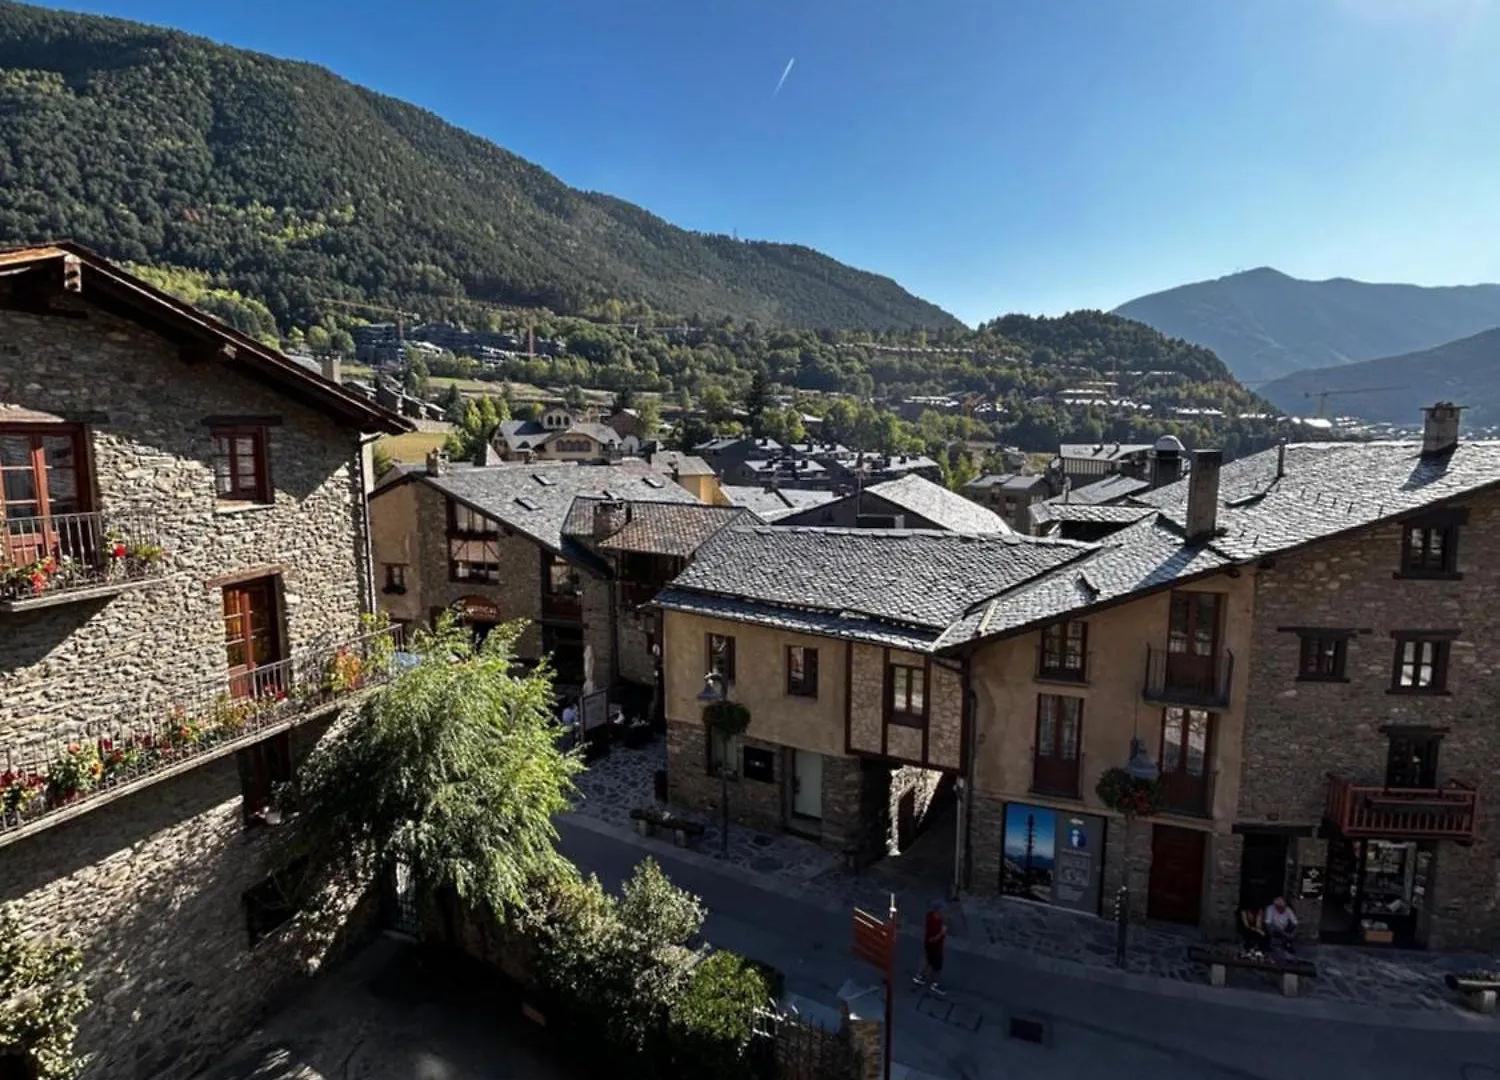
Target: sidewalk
{"points": [[1018, 932]]}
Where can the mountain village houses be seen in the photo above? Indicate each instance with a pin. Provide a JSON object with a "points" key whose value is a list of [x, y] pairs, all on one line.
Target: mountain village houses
{"points": [[199, 569], [182, 614]]}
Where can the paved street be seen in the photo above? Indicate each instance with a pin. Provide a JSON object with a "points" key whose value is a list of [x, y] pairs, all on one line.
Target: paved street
{"points": [[1104, 1025]]}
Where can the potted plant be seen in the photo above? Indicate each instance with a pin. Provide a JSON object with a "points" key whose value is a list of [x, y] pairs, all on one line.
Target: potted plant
{"points": [[728, 718], [75, 773], [1129, 795], [120, 762], [345, 672], [19, 791]]}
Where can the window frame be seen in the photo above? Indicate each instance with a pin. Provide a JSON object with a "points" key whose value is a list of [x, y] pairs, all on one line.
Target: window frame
{"points": [[1436, 534], [914, 677], [263, 766], [709, 655], [1060, 634], [1311, 657], [260, 491], [83, 487], [1058, 716], [395, 577], [1441, 653], [1418, 741], [804, 685]]}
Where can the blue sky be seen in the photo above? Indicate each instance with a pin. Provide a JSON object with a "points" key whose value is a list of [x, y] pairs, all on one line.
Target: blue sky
{"points": [[991, 155]]}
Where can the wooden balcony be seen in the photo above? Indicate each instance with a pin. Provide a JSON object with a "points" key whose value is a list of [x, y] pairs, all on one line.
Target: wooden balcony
{"points": [[1374, 811], [47, 781], [69, 558], [1180, 678]]}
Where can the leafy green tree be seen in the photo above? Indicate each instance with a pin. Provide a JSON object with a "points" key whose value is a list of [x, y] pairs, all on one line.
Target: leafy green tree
{"points": [[624, 399], [41, 998], [758, 399], [453, 405], [574, 398], [649, 411], [715, 403], [783, 425], [414, 380], [341, 342], [319, 341], [452, 770], [381, 460]]}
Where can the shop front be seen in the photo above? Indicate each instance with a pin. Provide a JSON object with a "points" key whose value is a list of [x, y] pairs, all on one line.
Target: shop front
{"points": [[1375, 892], [1053, 857]]}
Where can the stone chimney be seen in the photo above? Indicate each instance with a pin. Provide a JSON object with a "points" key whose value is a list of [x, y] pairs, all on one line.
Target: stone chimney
{"points": [[437, 463], [1203, 495], [610, 517], [1440, 430], [1166, 462], [333, 368]]}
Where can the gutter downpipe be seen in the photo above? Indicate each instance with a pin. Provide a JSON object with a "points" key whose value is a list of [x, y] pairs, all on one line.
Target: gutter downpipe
{"points": [[366, 540]]}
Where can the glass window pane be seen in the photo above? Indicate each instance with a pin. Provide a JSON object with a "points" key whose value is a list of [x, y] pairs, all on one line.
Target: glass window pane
{"points": [[235, 653], [15, 450], [20, 486], [1197, 744], [1070, 737], [918, 690], [244, 446], [1046, 730]]}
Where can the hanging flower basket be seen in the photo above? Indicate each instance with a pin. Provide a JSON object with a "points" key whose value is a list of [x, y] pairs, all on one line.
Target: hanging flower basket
{"points": [[727, 717], [1128, 795]]}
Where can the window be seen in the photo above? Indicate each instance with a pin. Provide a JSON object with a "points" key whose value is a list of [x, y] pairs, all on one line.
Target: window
{"points": [[1421, 665], [1411, 760], [1323, 658], [466, 522], [1064, 650], [759, 764], [474, 560], [42, 482], [264, 767], [252, 643], [1429, 550], [240, 467], [561, 578], [722, 751], [801, 671], [1059, 733], [271, 904], [720, 655], [1186, 736], [906, 699], [395, 577]]}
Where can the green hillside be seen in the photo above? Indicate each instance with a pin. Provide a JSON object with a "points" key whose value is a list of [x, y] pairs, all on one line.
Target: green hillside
{"points": [[288, 183]]}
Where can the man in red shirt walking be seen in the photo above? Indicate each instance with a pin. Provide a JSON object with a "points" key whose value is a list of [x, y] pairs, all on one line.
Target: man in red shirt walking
{"points": [[934, 935]]}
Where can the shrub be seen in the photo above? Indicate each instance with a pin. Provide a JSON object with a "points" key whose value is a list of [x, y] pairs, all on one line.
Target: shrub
{"points": [[710, 1025]]}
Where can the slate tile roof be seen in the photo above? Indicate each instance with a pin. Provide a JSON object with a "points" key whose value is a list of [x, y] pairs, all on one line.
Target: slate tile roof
{"points": [[824, 623], [1101, 451], [1110, 489], [658, 528], [1328, 488], [602, 433], [686, 464], [945, 509], [772, 505], [911, 579], [535, 499], [1043, 513]]}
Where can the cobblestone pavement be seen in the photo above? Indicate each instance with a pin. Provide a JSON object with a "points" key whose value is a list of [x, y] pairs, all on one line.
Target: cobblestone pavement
{"points": [[997, 927]]}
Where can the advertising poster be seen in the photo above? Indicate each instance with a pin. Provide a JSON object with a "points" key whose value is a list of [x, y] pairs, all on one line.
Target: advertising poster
{"points": [[1053, 856]]}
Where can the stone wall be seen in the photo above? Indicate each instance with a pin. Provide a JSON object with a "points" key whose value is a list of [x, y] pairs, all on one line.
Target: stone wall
{"points": [[151, 887], [150, 884], [65, 665], [635, 630], [866, 697], [1299, 732]]}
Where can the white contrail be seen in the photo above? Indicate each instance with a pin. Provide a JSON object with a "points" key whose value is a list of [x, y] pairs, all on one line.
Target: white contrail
{"points": [[782, 81]]}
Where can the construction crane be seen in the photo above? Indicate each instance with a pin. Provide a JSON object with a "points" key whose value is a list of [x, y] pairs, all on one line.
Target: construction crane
{"points": [[1324, 395], [360, 305]]}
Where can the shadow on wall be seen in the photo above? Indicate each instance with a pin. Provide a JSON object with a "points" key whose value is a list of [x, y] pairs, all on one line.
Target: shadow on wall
{"points": [[151, 888]]}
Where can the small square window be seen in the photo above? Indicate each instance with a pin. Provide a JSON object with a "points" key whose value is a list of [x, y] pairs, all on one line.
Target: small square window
{"points": [[241, 472], [1322, 658], [1421, 665], [395, 578], [801, 671], [906, 695], [760, 764], [1429, 550]]}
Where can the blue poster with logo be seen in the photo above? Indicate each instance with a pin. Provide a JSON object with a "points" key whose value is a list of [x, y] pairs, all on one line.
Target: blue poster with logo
{"points": [[1053, 856]]}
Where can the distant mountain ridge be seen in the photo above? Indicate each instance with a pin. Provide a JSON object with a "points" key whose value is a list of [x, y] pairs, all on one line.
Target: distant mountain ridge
{"points": [[1466, 371], [289, 183], [1265, 324]]}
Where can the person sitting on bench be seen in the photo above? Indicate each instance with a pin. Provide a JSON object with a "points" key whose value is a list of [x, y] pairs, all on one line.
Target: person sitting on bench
{"points": [[1281, 925], [1252, 931]]}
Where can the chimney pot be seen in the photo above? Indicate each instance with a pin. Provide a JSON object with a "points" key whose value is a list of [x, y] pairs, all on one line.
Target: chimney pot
{"points": [[610, 517], [333, 369], [1203, 494], [1440, 429], [437, 463]]}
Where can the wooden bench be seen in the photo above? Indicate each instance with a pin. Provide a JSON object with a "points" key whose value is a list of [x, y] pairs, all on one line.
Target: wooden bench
{"points": [[649, 820], [1479, 988], [1220, 958]]}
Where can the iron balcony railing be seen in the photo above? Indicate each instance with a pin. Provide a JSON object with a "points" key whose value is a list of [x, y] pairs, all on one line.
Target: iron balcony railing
{"points": [[1187, 678], [1372, 810], [45, 558], [53, 779]]}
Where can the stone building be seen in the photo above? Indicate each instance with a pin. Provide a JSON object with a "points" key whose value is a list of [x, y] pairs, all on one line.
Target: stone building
{"points": [[503, 542], [910, 502], [183, 574], [1011, 495], [828, 637]]}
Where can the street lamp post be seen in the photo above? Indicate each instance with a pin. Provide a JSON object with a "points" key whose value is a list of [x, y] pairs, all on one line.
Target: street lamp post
{"points": [[1139, 767], [716, 689]]}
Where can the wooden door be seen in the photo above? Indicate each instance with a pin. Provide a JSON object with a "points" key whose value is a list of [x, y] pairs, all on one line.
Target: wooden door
{"points": [[1175, 892], [252, 642], [1263, 869], [1193, 640]]}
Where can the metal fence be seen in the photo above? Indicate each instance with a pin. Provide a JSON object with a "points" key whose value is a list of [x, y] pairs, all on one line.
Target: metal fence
{"points": [[62, 552], [220, 714], [789, 1047]]}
